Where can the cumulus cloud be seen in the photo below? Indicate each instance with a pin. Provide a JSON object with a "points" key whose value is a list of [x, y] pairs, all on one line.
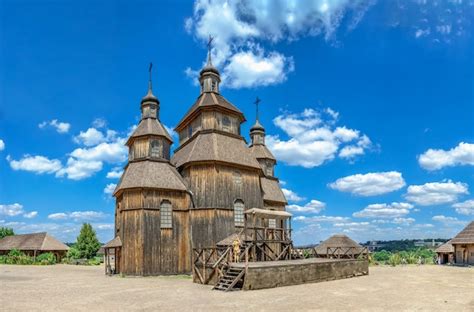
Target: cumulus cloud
{"points": [[92, 137], [436, 193], [370, 184], [78, 169], [12, 210], [77, 215], [393, 210], [329, 219], [465, 208], [2, 145], [37, 164], [115, 173], [110, 188], [239, 26], [313, 139], [30, 215], [314, 206], [435, 159], [448, 220], [291, 196], [61, 127]]}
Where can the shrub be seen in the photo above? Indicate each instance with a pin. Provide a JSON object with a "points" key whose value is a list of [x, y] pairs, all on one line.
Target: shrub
{"points": [[73, 253], [395, 259], [4, 231], [94, 261], [46, 259]]}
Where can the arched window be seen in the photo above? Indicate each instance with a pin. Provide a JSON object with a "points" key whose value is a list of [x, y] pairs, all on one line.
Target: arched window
{"points": [[225, 123], [166, 215], [239, 212], [155, 148]]}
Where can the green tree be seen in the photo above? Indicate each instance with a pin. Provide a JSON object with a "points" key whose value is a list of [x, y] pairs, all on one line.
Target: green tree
{"points": [[4, 231], [87, 242]]}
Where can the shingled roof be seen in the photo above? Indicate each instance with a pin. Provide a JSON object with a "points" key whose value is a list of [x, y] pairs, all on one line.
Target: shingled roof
{"points": [[272, 191], [445, 248], [260, 151], [211, 99], [151, 174], [150, 126], [116, 242], [215, 147], [466, 236], [35, 241], [338, 240]]}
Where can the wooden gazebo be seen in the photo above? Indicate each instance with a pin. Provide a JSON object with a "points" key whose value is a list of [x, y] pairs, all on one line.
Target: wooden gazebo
{"points": [[112, 251]]}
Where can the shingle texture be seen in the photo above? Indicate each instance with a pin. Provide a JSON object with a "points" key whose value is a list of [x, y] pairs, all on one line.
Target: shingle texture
{"points": [[272, 191], [261, 151], [150, 126], [116, 242], [151, 174], [215, 147], [338, 240], [466, 236], [445, 248], [35, 241], [210, 99]]}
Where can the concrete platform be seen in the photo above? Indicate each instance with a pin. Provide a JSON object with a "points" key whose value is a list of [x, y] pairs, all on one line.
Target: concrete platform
{"points": [[269, 274]]}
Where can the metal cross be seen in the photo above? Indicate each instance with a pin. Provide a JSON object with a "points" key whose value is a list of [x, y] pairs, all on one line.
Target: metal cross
{"points": [[257, 102], [149, 69], [209, 43]]}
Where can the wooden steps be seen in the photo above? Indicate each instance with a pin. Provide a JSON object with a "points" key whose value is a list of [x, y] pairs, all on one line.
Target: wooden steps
{"points": [[232, 279]]}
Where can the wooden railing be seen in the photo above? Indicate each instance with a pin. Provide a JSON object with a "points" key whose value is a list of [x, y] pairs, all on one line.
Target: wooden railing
{"points": [[348, 252], [260, 233], [210, 262]]}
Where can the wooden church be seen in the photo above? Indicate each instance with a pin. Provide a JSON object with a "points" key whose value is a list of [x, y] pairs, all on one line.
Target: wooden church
{"points": [[167, 206]]}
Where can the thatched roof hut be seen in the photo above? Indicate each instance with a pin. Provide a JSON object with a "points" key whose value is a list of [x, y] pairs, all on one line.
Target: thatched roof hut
{"points": [[338, 244], [445, 248], [466, 236], [33, 244]]}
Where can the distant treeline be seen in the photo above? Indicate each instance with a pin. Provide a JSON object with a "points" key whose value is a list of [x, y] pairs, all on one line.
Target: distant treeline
{"points": [[402, 245]]}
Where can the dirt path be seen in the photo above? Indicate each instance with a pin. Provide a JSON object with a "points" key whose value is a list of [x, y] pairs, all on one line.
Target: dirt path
{"points": [[80, 288]]}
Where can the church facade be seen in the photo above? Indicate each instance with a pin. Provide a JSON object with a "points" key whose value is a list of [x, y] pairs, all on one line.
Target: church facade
{"points": [[165, 206]]}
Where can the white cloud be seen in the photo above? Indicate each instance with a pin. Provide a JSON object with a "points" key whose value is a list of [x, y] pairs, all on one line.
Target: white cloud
{"points": [[313, 139], [315, 219], [90, 137], [239, 25], [314, 206], [253, 68], [78, 169], [36, 164], [115, 152], [115, 173], [290, 195], [404, 221], [433, 159], [422, 32], [61, 127], [11, 210], [77, 215], [58, 216], [465, 208], [393, 210], [110, 188], [448, 220], [436, 193], [30, 215], [99, 123], [2, 145], [370, 184]]}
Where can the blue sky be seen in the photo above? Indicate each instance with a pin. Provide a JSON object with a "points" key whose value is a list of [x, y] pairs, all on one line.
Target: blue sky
{"points": [[368, 105]]}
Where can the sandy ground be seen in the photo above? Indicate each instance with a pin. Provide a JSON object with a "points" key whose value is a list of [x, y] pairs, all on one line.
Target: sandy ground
{"points": [[81, 288]]}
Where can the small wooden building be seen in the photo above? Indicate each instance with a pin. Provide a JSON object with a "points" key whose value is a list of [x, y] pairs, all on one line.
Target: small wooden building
{"points": [[339, 246], [445, 253], [463, 244], [33, 245]]}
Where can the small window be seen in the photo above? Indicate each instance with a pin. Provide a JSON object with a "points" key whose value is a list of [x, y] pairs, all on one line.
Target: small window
{"points": [[272, 224], [237, 177], [214, 86], [225, 123], [155, 148], [190, 131], [166, 215], [239, 212]]}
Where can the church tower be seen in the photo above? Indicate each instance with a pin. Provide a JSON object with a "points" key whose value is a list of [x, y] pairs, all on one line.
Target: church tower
{"points": [[152, 202], [216, 163], [273, 196]]}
